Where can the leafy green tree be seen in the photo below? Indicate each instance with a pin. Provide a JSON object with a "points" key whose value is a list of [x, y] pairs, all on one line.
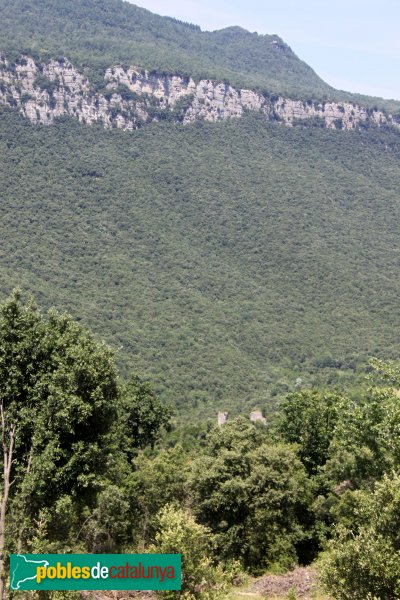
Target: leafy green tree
{"points": [[366, 443], [362, 562], [155, 482], [58, 396], [142, 415], [108, 528], [308, 419], [180, 534], [253, 495]]}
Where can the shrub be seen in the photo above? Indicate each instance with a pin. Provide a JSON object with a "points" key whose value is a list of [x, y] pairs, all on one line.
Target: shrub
{"points": [[363, 560], [180, 534]]}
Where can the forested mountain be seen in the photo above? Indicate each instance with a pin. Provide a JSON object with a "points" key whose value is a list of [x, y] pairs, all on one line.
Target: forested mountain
{"points": [[99, 33], [227, 260]]}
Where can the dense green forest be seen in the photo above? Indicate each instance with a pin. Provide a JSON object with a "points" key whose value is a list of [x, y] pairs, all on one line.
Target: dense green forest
{"points": [[226, 260], [89, 467], [98, 34]]}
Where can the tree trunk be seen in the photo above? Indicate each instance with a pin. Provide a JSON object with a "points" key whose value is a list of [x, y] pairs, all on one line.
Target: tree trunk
{"points": [[21, 529], [8, 449]]}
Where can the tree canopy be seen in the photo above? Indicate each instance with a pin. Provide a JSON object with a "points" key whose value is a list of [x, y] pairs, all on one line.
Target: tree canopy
{"points": [[286, 228], [67, 427], [251, 493]]}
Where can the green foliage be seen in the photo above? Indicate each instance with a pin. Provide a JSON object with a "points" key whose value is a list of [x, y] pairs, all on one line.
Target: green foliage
{"points": [[98, 35], [74, 433], [227, 259], [181, 107], [366, 441], [58, 391], [385, 372], [46, 84], [309, 419], [156, 482], [179, 533], [123, 91], [251, 494], [363, 560], [108, 528], [142, 415]]}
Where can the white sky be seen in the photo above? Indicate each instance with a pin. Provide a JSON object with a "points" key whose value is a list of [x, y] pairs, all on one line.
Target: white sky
{"points": [[352, 44]]}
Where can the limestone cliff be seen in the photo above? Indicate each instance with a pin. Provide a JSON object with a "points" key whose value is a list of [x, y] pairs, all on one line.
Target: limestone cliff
{"points": [[132, 97]]}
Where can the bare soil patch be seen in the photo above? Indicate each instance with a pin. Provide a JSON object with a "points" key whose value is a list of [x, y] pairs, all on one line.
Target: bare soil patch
{"points": [[302, 579]]}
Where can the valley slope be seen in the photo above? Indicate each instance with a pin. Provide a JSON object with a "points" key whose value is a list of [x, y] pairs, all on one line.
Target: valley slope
{"points": [[225, 259]]}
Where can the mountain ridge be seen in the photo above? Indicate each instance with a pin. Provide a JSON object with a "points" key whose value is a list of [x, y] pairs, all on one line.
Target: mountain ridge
{"points": [[116, 32], [228, 259], [133, 97]]}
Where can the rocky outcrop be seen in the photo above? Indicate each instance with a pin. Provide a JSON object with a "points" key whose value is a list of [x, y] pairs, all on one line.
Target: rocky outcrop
{"points": [[46, 92], [132, 97]]}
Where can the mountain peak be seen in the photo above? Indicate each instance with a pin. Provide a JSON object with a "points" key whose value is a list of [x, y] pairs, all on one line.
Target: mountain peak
{"points": [[233, 29]]}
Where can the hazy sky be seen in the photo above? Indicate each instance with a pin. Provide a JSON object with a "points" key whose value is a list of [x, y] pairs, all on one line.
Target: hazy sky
{"points": [[352, 44]]}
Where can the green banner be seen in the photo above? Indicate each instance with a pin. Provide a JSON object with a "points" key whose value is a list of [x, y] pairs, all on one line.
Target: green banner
{"points": [[95, 571]]}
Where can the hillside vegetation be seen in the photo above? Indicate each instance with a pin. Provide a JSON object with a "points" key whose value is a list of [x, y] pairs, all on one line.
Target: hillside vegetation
{"points": [[98, 34], [227, 260], [88, 467]]}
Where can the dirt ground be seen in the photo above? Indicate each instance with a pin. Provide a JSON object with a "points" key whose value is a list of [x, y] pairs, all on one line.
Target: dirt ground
{"points": [[303, 580]]}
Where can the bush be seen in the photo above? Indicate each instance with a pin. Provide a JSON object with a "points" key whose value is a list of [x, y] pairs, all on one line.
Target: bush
{"points": [[363, 560], [45, 84], [180, 534]]}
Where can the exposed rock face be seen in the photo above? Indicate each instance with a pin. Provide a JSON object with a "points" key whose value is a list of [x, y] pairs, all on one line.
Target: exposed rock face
{"points": [[45, 92], [132, 97]]}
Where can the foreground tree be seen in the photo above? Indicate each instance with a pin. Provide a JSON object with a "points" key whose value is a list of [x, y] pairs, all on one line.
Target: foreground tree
{"points": [[58, 397], [366, 441], [309, 419], [253, 494], [142, 416], [155, 482], [363, 559], [180, 534]]}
